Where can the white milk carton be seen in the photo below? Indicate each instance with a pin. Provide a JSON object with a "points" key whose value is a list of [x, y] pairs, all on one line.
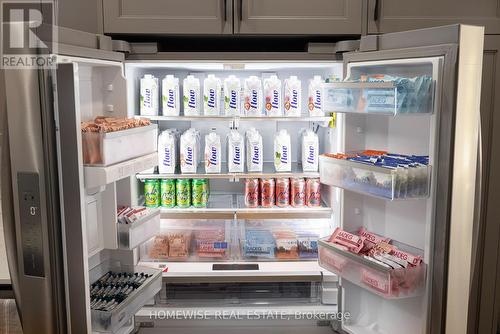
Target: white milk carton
{"points": [[273, 96], [282, 152], [191, 88], [252, 96], [232, 96], [315, 104], [167, 152], [213, 153], [310, 151], [212, 87], [188, 152], [235, 152], [170, 96], [293, 98], [149, 98], [254, 150]]}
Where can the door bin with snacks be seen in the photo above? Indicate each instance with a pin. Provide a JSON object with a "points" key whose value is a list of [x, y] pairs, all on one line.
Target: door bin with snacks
{"points": [[364, 271]]}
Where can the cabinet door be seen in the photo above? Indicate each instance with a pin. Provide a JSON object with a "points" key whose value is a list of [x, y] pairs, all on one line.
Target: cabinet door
{"points": [[167, 16], [398, 15], [311, 17]]}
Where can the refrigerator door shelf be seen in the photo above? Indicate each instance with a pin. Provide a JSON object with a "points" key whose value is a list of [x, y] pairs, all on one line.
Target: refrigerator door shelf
{"points": [[96, 176], [382, 281], [105, 149], [379, 98], [268, 171], [390, 184], [132, 235], [112, 321]]}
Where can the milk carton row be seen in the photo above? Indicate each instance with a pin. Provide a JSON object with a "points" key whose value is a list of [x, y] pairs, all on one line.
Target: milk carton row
{"points": [[230, 98], [185, 150]]}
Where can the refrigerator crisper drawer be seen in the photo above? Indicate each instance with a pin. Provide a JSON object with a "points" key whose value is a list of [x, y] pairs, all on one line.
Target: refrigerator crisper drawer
{"points": [[112, 321], [414, 96], [104, 149], [375, 181], [132, 235], [382, 281]]}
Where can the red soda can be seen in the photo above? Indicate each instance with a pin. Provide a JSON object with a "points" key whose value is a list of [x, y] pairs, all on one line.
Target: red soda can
{"points": [[252, 193], [267, 192], [282, 192], [298, 196], [313, 195]]}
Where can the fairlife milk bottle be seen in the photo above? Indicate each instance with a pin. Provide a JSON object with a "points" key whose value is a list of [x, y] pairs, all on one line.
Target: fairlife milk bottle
{"points": [[167, 152], [211, 95], [191, 88], [149, 99], [282, 152], [213, 154], [255, 151], [232, 96], [235, 152], [293, 96], [170, 96], [273, 96], [310, 151], [252, 96], [315, 104]]}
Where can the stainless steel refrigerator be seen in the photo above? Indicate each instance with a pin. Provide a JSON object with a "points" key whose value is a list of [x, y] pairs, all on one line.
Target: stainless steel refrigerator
{"points": [[60, 212]]}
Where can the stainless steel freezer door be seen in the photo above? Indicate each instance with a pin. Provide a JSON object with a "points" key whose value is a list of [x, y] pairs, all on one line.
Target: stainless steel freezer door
{"points": [[31, 202]]}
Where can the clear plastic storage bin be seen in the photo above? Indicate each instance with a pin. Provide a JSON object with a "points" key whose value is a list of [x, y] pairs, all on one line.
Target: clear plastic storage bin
{"points": [[104, 149], [400, 183], [189, 241], [385, 282], [132, 235], [414, 96], [112, 321], [275, 240]]}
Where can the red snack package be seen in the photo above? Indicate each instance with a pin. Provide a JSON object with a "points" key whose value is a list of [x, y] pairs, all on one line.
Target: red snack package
{"points": [[414, 260], [352, 241], [371, 239]]}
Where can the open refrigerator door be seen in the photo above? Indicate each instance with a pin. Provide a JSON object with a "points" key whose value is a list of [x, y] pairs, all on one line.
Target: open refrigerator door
{"points": [[228, 188]]}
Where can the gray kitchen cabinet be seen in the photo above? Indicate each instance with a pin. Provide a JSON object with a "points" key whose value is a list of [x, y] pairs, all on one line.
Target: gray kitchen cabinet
{"points": [[301, 17], [398, 15], [168, 17]]}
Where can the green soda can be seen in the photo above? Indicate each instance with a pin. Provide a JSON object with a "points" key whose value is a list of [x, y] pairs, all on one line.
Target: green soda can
{"points": [[183, 193], [167, 188], [200, 193], [152, 193]]}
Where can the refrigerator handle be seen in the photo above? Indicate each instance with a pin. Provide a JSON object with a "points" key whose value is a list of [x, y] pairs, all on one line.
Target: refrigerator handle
{"points": [[224, 8], [240, 17], [376, 11]]}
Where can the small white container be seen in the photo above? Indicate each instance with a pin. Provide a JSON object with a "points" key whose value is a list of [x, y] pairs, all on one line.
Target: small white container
{"points": [[132, 235], [232, 96], [212, 87], [273, 96], [293, 96], [191, 89], [315, 104], [149, 95], [170, 96], [252, 96]]}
